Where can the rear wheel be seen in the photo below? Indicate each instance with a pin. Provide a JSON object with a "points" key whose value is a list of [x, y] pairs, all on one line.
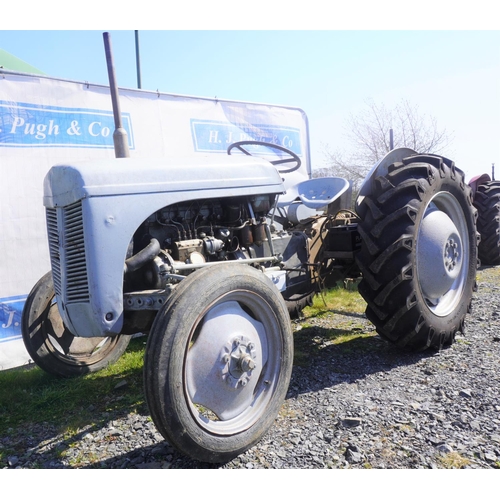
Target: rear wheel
{"points": [[419, 252], [53, 347], [487, 202], [218, 362], [296, 303]]}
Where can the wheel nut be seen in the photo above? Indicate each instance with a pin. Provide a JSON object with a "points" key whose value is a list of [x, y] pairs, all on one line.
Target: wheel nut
{"points": [[247, 364]]}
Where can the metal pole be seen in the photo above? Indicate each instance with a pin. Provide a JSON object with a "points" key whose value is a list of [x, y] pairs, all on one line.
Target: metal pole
{"points": [[137, 59], [492, 171], [391, 140], [120, 134]]}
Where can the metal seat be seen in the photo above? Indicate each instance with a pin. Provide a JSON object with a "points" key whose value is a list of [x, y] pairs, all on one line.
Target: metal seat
{"points": [[315, 193]]}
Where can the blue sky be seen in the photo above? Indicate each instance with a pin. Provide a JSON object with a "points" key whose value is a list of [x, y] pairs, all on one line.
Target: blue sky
{"points": [[453, 76]]}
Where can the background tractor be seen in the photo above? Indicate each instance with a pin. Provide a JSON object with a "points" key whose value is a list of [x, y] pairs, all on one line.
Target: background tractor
{"points": [[486, 193]]}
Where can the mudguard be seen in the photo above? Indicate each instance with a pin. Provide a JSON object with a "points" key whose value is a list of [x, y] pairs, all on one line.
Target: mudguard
{"points": [[380, 168]]}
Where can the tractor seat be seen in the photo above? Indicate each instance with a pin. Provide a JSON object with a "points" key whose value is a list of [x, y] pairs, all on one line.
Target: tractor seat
{"points": [[315, 193]]}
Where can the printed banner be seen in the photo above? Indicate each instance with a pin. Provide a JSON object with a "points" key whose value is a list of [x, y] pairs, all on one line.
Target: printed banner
{"points": [[28, 125], [218, 136], [11, 309], [12, 350]]}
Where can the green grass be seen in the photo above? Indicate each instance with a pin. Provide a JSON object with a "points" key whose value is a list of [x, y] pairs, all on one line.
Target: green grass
{"points": [[453, 460], [338, 299], [30, 396], [344, 310], [488, 275]]}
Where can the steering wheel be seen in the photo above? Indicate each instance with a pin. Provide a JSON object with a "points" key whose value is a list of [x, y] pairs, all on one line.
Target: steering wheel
{"points": [[292, 157]]}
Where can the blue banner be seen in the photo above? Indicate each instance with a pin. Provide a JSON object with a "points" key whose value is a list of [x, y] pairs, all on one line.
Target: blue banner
{"points": [[213, 136], [11, 309], [30, 125]]}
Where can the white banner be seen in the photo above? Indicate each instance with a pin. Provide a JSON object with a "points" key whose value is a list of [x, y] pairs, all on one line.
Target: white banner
{"points": [[45, 121]]}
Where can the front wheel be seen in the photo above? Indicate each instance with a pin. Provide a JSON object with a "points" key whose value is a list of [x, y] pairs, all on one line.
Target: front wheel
{"points": [[53, 347], [419, 252], [218, 362]]}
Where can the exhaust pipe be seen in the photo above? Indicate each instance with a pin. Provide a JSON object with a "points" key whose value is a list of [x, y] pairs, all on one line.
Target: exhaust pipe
{"points": [[120, 138]]}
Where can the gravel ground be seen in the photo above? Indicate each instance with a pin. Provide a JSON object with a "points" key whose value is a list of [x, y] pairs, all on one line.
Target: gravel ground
{"points": [[359, 404]]}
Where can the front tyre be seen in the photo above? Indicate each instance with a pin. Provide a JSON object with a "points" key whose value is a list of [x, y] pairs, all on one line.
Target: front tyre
{"points": [[218, 362], [53, 347], [419, 252]]}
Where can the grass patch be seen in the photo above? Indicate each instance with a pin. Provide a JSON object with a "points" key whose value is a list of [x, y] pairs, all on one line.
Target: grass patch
{"points": [[31, 396], [343, 309], [310, 341], [453, 460], [339, 299], [488, 275]]}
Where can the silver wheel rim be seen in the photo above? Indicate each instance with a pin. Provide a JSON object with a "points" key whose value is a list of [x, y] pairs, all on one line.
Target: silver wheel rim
{"points": [[442, 254], [232, 363]]}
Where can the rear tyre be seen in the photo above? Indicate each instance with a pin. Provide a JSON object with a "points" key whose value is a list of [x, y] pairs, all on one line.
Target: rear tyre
{"points": [[419, 252], [53, 347], [218, 362], [296, 303], [487, 202]]}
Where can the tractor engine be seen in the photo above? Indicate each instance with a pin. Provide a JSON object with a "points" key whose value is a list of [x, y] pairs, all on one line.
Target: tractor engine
{"points": [[179, 238], [191, 234]]}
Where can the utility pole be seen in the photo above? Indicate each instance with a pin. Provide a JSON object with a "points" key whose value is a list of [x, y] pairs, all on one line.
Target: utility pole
{"points": [[137, 59]]}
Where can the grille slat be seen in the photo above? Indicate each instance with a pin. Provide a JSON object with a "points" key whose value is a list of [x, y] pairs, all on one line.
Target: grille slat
{"points": [[55, 257]]}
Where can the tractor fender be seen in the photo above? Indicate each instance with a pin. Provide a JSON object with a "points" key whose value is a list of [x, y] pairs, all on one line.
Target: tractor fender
{"points": [[477, 181], [380, 168]]}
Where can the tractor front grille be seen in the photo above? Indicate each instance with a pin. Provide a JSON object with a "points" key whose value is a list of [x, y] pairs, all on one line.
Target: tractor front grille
{"points": [[67, 253]]}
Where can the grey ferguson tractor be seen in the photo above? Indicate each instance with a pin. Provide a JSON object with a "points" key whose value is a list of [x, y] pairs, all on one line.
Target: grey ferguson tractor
{"points": [[210, 256]]}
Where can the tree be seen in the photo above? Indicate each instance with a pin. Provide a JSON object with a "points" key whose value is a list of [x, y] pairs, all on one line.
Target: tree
{"points": [[368, 136]]}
